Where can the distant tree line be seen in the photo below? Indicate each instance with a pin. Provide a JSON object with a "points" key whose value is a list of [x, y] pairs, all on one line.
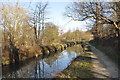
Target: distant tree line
{"points": [[76, 35]]}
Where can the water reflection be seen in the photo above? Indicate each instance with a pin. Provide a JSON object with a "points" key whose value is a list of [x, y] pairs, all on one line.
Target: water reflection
{"points": [[47, 67]]}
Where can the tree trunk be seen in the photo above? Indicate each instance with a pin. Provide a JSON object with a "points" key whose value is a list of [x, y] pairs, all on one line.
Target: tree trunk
{"points": [[117, 34], [118, 38], [10, 56], [13, 52], [16, 55], [97, 23]]}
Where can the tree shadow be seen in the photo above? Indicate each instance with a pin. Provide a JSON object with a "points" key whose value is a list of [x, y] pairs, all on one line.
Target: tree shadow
{"points": [[100, 74], [86, 57], [88, 50]]}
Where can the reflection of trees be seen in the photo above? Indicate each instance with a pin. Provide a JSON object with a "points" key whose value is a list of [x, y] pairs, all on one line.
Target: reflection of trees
{"points": [[23, 72], [51, 59], [38, 69]]}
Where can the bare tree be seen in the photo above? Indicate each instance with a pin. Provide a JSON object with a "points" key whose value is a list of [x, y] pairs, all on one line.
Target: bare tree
{"points": [[38, 19], [12, 19], [95, 11]]}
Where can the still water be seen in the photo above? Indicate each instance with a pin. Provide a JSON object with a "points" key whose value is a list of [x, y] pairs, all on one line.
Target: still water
{"points": [[47, 67]]}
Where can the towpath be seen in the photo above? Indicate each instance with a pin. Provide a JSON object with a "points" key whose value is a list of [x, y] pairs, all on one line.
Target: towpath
{"points": [[103, 67]]}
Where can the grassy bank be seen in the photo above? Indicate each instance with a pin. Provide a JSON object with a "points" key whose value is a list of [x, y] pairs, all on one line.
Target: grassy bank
{"points": [[79, 68]]}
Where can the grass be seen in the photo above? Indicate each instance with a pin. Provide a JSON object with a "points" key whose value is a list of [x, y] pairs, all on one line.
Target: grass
{"points": [[79, 68]]}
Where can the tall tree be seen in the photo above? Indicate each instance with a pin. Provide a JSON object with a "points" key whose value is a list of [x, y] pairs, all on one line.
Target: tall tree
{"points": [[100, 12], [12, 20], [38, 19]]}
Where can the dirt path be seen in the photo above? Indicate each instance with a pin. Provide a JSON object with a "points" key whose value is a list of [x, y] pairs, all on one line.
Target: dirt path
{"points": [[103, 67]]}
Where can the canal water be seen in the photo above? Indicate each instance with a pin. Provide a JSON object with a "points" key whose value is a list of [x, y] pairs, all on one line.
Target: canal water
{"points": [[45, 68]]}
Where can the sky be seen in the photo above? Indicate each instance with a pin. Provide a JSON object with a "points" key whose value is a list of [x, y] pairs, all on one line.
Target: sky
{"points": [[55, 13], [57, 10]]}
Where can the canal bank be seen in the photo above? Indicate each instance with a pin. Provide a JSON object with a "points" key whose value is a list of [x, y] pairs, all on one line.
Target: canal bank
{"points": [[93, 65], [26, 54], [80, 67], [47, 67]]}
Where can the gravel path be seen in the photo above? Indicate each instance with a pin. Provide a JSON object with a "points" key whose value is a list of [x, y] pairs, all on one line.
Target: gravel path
{"points": [[103, 67]]}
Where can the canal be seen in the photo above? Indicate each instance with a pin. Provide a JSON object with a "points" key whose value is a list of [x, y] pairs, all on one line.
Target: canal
{"points": [[47, 67]]}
